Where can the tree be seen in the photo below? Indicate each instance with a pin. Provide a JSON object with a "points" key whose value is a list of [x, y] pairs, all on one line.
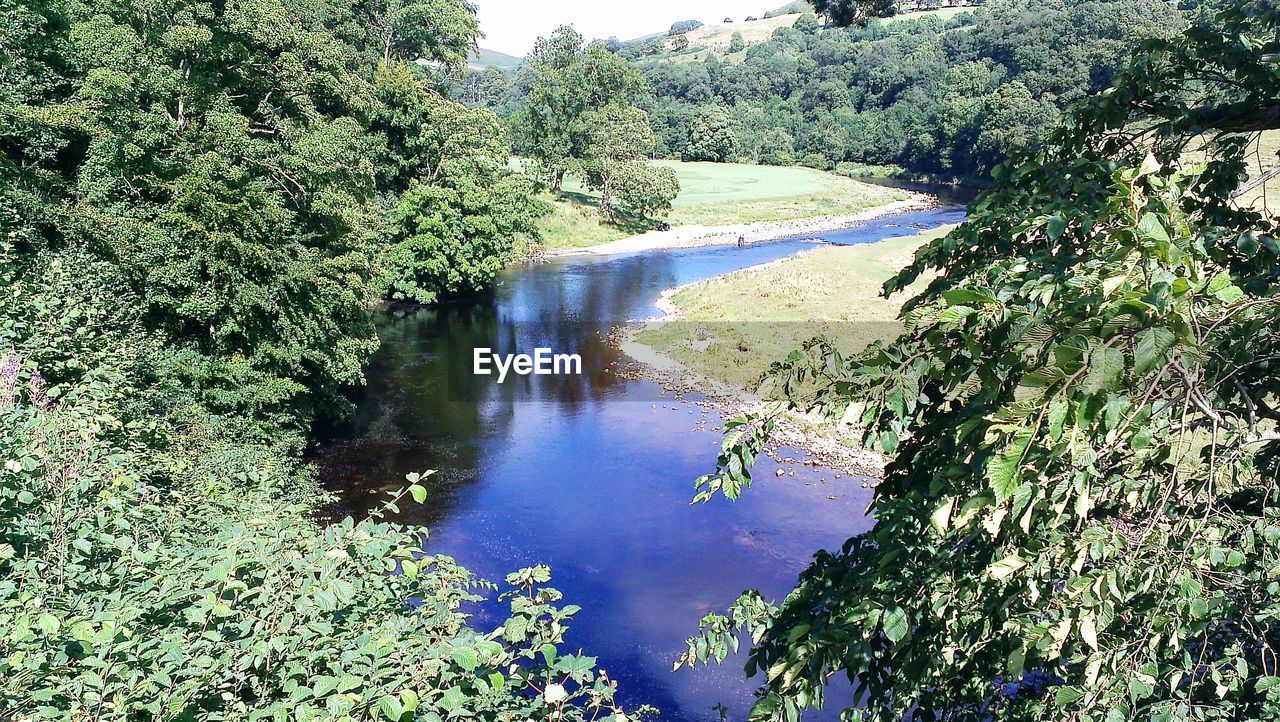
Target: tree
{"points": [[193, 207], [737, 43], [680, 43], [712, 136], [845, 13], [646, 190], [683, 26], [1078, 518], [614, 137], [807, 24], [568, 82], [437, 30]]}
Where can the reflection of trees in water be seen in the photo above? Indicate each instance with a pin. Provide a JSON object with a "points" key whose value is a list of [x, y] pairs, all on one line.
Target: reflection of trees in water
{"points": [[424, 407], [416, 414]]}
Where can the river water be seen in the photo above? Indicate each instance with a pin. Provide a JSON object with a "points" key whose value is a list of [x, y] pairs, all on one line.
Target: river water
{"points": [[592, 474]]}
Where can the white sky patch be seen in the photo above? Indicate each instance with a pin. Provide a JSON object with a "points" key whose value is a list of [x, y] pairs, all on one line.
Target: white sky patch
{"points": [[511, 26]]}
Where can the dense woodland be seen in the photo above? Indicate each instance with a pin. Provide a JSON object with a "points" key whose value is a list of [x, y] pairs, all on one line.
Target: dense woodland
{"points": [[201, 204], [941, 98]]}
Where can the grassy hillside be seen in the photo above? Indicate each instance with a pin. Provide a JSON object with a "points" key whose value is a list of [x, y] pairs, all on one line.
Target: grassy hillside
{"points": [[482, 58], [1266, 156], [717, 194], [734, 327]]}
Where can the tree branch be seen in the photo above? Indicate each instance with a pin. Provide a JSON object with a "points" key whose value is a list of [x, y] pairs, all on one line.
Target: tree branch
{"points": [[1239, 117]]}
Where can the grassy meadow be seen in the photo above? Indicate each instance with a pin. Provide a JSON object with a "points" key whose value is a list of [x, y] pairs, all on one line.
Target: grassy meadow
{"points": [[713, 194], [1264, 155], [734, 327]]}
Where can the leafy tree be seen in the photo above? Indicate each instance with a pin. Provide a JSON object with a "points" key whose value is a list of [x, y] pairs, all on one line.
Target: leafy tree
{"points": [[712, 136], [451, 238], [614, 137], [192, 226], [807, 24], [568, 82], [1078, 518], [645, 189], [854, 12], [683, 26], [737, 43], [459, 208], [680, 43], [437, 30]]}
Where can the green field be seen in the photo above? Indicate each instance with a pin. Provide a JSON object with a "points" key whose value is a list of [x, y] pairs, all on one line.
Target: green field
{"points": [[714, 194], [1264, 155], [1261, 155], [734, 327]]}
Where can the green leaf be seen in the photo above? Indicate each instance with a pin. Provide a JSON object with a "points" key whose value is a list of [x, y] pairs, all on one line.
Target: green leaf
{"points": [[1003, 472], [895, 624], [390, 708], [1006, 567], [419, 493], [1066, 696], [955, 314], [1152, 229], [1150, 348], [466, 658], [1056, 226], [48, 624]]}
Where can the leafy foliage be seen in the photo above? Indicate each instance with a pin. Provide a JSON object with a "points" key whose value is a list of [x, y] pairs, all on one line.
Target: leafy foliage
{"points": [[195, 200], [1078, 518], [616, 138], [566, 82], [945, 98], [459, 209], [712, 136], [129, 587]]}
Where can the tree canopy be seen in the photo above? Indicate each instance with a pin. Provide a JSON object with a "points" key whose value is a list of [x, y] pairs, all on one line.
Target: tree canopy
{"points": [[200, 204]]}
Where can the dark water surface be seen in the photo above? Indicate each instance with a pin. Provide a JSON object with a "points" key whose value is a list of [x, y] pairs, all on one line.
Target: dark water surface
{"points": [[592, 474]]}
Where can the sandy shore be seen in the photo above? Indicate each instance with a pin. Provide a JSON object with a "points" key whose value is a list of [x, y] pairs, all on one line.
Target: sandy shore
{"points": [[694, 236]]}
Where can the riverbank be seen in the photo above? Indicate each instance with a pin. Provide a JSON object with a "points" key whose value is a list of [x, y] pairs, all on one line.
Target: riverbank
{"points": [[714, 195], [693, 236], [719, 336]]}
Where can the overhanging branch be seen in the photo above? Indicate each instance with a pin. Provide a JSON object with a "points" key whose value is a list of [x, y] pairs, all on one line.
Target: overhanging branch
{"points": [[1239, 117]]}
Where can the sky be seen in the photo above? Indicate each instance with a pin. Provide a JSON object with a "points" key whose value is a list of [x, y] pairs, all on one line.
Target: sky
{"points": [[511, 26]]}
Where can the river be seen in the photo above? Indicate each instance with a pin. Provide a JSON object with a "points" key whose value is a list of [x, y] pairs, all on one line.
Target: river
{"points": [[592, 474]]}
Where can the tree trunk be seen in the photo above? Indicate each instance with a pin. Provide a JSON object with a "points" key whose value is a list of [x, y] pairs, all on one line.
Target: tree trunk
{"points": [[606, 195]]}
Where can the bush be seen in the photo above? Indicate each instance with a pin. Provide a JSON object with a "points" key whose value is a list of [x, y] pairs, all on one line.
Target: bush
{"points": [[816, 160], [647, 190], [684, 26], [146, 573]]}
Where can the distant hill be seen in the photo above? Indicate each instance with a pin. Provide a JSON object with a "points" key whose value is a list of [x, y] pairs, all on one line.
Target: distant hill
{"points": [[482, 59], [715, 39]]}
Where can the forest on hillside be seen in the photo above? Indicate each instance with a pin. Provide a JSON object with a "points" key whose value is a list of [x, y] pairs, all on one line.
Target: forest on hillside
{"points": [[944, 98]]}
